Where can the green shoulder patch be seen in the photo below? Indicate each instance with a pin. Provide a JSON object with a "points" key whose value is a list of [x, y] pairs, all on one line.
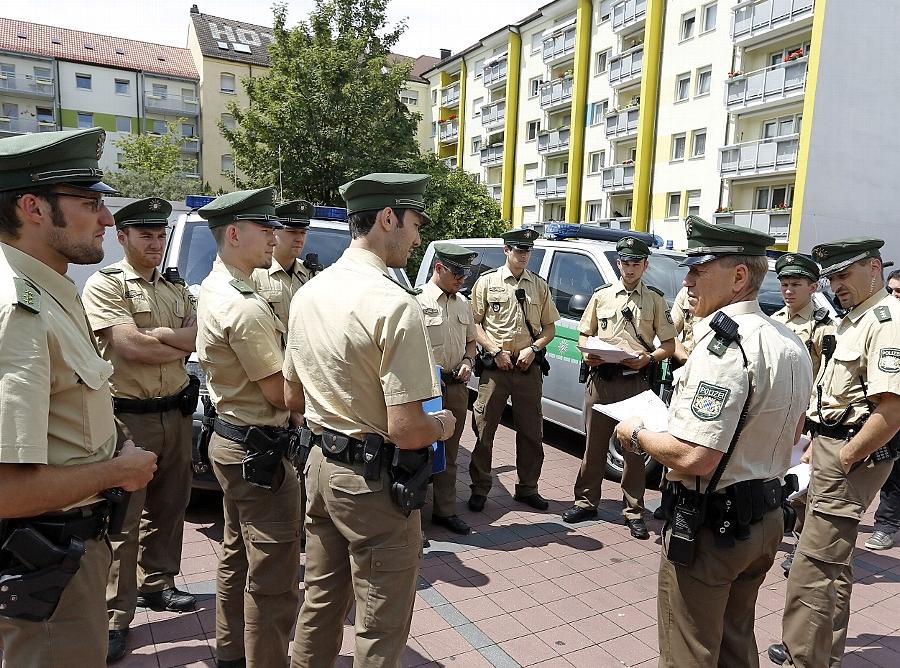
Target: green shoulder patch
{"points": [[600, 287], [709, 401], [412, 291], [111, 270], [27, 295], [889, 360], [656, 290], [883, 313], [242, 286], [718, 346], [669, 317]]}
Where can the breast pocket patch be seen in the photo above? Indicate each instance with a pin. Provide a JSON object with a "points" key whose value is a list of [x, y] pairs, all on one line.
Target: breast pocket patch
{"points": [[709, 400], [889, 360]]}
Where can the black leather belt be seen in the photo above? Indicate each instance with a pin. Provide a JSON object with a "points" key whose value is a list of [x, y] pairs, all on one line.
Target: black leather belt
{"points": [[332, 444], [449, 378], [239, 434], [85, 523], [841, 432], [157, 405]]}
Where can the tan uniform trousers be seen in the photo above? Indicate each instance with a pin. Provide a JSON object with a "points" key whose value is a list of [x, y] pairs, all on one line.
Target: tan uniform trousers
{"points": [[494, 388], [706, 610], [75, 635], [456, 400], [258, 582], [359, 546], [817, 604], [149, 557], [599, 430]]}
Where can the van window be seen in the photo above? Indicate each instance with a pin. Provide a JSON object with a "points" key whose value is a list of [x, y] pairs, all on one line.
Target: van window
{"points": [[663, 273], [491, 257], [572, 274]]}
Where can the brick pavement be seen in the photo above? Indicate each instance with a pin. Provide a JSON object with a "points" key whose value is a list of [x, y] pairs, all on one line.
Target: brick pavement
{"points": [[525, 589]]}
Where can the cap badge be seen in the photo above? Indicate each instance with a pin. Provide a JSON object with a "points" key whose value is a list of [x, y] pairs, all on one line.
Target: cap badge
{"points": [[101, 139], [155, 204], [789, 259], [629, 242]]}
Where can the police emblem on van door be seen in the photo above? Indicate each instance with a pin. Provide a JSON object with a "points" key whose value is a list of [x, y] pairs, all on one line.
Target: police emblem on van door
{"points": [[709, 400], [889, 360]]}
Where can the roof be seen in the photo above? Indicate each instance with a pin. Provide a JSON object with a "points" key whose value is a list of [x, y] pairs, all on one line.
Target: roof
{"points": [[87, 47], [215, 32]]}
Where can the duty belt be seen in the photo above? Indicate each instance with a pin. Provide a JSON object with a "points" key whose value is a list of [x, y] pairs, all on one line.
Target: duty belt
{"points": [[333, 447], [239, 434], [841, 432], [449, 378], [607, 372], [84, 523], [157, 405]]}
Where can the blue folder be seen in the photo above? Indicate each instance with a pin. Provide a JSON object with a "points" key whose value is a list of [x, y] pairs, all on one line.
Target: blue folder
{"points": [[440, 456]]}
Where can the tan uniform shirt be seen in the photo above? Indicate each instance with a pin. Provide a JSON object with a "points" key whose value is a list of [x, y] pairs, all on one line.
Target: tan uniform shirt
{"points": [[811, 332], [359, 346], [683, 320], [868, 347], [55, 405], [117, 295], [650, 315], [450, 325], [495, 307], [278, 287], [710, 394], [238, 343]]}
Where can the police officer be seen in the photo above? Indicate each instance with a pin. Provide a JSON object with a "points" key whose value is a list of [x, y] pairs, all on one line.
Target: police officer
{"points": [[855, 414], [631, 312], [451, 331], [146, 326], [239, 343], [515, 320], [278, 283], [57, 434], [359, 362], [683, 320], [736, 413]]}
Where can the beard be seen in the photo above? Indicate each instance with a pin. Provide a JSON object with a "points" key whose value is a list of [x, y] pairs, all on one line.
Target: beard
{"points": [[83, 252]]}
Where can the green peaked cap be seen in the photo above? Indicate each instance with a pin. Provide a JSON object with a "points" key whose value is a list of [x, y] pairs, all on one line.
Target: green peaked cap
{"points": [[836, 256], [295, 213], [149, 211], [255, 206], [374, 192], [632, 248], [454, 254], [522, 236], [707, 242], [791, 264]]}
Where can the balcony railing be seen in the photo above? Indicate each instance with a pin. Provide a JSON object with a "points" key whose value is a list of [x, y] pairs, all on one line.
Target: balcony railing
{"points": [[28, 86], [763, 18], [776, 222], [553, 141], [496, 191], [778, 83], [493, 115], [173, 103], [618, 178], [449, 131], [451, 162], [556, 93], [21, 126], [560, 45], [623, 123], [450, 95], [762, 156], [492, 155], [620, 223], [625, 68], [192, 145], [494, 72], [628, 14], [551, 187]]}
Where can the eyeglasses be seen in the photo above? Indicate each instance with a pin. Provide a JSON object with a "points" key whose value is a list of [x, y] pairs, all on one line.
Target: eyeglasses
{"points": [[96, 200]]}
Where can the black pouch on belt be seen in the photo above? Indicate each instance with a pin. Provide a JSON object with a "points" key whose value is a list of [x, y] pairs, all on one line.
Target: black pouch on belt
{"points": [[301, 446], [263, 461], [189, 396], [372, 449], [410, 472]]}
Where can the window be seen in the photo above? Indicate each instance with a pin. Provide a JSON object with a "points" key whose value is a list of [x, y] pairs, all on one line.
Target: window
{"points": [[479, 68], [774, 197], [683, 87], [529, 214], [780, 127], [534, 86], [537, 42], [698, 145], [709, 17], [531, 130], [572, 274], [188, 130], [531, 172], [10, 110], [434, 96], [604, 11], [601, 63], [781, 56], [410, 98], [687, 25], [188, 94], [7, 70], [476, 106], [85, 120], [678, 142], [596, 163], [594, 210], [476, 145], [597, 112], [83, 81], [228, 163], [160, 90], [45, 115], [43, 74], [434, 126], [704, 77], [123, 124], [228, 121], [159, 127], [123, 87], [226, 85], [693, 202], [674, 208]]}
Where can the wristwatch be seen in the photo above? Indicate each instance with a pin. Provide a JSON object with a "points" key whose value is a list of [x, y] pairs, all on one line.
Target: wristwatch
{"points": [[635, 446], [535, 348]]}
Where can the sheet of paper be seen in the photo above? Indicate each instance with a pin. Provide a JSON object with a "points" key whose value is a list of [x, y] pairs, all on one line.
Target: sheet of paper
{"points": [[802, 472], [798, 449], [611, 351], [649, 407]]}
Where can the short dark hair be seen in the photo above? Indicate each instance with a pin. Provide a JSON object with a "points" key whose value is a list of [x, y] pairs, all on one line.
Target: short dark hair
{"points": [[9, 221], [894, 275], [361, 222]]}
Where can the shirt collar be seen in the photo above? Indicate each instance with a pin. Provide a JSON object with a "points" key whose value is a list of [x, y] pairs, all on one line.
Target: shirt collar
{"points": [[506, 273], [702, 328], [60, 287], [224, 268], [432, 290], [620, 287], [860, 310], [367, 257], [131, 274]]}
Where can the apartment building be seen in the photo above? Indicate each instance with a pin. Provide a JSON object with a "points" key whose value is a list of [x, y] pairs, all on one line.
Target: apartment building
{"points": [[636, 113], [58, 79]]}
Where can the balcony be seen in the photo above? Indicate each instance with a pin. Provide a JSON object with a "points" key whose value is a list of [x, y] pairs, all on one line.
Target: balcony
{"points": [[449, 131], [494, 72], [779, 84], [560, 45], [776, 222], [622, 124], [493, 115], [176, 104], [556, 93], [192, 145], [552, 142], [618, 178], [492, 155], [760, 157], [21, 126], [451, 162], [625, 68], [450, 95], [496, 191], [622, 223], [628, 14], [755, 21], [28, 86], [551, 187]]}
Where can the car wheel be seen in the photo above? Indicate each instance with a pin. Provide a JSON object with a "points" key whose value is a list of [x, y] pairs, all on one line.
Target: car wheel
{"points": [[615, 462]]}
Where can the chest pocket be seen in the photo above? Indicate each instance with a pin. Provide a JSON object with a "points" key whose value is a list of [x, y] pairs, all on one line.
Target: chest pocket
{"points": [[498, 301], [93, 375], [845, 373], [433, 320], [141, 309], [607, 322]]}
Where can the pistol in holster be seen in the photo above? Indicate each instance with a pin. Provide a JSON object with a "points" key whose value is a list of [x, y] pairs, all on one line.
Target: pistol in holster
{"points": [[262, 464], [685, 516], [189, 396], [410, 472], [302, 441], [118, 507]]}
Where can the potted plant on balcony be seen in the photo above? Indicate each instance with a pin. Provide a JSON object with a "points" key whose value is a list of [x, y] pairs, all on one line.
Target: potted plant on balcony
{"points": [[735, 73], [725, 209], [780, 207], [793, 55]]}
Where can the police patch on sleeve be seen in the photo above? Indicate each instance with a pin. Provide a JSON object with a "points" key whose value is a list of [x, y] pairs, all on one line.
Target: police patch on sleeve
{"points": [[709, 400], [889, 360], [669, 317]]}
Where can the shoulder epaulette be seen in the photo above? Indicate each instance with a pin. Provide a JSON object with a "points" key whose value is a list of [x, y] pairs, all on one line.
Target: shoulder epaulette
{"points": [[821, 316], [412, 291], [600, 287], [883, 313], [111, 270], [242, 286], [28, 296], [656, 290], [538, 276], [726, 333], [489, 271]]}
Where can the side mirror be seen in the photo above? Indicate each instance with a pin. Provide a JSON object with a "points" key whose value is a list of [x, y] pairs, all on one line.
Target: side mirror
{"points": [[577, 304]]}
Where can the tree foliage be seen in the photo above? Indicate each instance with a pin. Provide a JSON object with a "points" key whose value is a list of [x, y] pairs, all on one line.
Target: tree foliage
{"points": [[329, 107]]}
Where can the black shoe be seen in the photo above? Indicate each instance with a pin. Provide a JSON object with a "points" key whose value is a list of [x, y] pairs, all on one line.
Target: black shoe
{"points": [[476, 502], [778, 654], [116, 648], [658, 514], [786, 566], [638, 529], [231, 663], [452, 522], [168, 599], [535, 500], [579, 514]]}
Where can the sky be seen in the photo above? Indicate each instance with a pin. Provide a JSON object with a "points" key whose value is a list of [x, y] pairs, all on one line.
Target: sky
{"points": [[431, 24]]}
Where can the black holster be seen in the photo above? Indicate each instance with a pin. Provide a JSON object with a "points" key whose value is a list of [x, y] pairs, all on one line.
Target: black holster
{"points": [[262, 464], [483, 360], [189, 396], [685, 514], [201, 446], [118, 501], [300, 447], [410, 472]]}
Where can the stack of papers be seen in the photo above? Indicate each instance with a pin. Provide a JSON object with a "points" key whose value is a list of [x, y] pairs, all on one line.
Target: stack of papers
{"points": [[646, 405], [608, 351]]}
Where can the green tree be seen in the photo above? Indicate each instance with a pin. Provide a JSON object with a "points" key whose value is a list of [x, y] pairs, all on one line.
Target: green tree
{"points": [[328, 110]]}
